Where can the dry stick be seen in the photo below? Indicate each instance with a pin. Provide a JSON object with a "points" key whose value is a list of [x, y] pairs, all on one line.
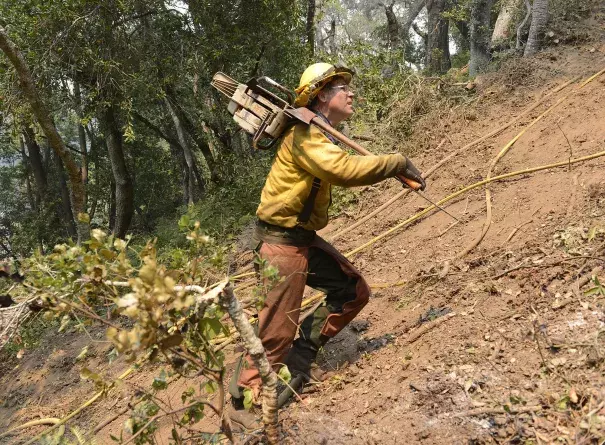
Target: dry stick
{"points": [[466, 189], [21, 307], [431, 170], [256, 351], [480, 411], [575, 288], [516, 229], [426, 328], [531, 266]]}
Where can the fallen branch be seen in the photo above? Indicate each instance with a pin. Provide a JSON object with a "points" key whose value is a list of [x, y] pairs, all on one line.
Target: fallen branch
{"points": [[257, 352], [516, 229], [481, 411], [415, 335], [531, 266]]}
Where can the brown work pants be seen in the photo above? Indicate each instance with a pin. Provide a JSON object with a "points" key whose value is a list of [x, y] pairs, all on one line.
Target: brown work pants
{"points": [[321, 267]]}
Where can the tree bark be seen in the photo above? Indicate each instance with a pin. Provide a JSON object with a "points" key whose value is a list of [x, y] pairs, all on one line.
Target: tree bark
{"points": [[37, 164], [502, 28], [180, 132], [45, 120], [538, 22], [438, 49], [112, 206], [124, 193], [65, 213], [82, 141], [195, 135], [310, 30], [332, 36], [480, 36], [30, 194], [393, 28], [413, 11]]}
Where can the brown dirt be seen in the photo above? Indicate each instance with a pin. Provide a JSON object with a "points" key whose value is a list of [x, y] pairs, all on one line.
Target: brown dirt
{"points": [[506, 346]]}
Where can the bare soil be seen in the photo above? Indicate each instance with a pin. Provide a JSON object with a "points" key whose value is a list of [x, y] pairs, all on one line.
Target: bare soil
{"points": [[508, 364]]}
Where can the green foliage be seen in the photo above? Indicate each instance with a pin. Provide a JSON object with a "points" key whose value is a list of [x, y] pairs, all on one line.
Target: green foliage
{"points": [[28, 336], [152, 318]]}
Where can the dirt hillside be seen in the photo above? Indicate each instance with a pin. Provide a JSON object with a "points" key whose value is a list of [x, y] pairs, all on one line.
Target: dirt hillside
{"points": [[500, 345]]}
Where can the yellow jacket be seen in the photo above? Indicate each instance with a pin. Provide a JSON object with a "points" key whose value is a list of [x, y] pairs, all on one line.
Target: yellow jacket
{"points": [[305, 153]]}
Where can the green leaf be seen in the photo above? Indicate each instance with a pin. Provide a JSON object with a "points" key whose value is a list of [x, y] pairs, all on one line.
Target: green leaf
{"points": [[284, 373], [159, 382], [248, 398], [210, 387], [187, 393], [82, 354]]}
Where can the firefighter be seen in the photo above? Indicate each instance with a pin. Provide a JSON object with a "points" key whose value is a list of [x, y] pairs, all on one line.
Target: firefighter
{"points": [[294, 205]]}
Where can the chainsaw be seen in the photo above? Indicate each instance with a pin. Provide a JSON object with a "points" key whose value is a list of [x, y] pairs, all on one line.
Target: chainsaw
{"points": [[265, 116]]}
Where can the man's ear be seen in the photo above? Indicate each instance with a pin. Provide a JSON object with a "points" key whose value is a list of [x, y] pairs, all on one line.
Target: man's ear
{"points": [[322, 96]]}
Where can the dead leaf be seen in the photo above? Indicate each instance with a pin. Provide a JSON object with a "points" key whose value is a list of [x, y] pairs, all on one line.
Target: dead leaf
{"points": [[21, 353], [573, 396]]}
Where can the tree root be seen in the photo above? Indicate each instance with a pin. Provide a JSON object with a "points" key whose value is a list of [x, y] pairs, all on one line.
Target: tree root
{"points": [[46, 421]]}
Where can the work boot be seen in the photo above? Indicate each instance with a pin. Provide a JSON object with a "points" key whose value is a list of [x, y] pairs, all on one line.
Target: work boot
{"points": [[301, 359], [245, 420]]}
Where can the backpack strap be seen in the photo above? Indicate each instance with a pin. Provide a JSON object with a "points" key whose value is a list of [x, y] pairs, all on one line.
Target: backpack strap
{"points": [[307, 209]]}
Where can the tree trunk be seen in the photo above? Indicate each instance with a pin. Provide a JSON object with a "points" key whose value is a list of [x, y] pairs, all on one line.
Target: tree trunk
{"points": [[538, 22], [124, 193], [65, 213], [465, 33], [180, 131], [311, 27], [195, 135], [48, 126], [502, 28], [393, 29], [82, 140], [332, 37], [411, 14], [28, 186], [480, 36], [438, 49], [112, 206], [37, 164]]}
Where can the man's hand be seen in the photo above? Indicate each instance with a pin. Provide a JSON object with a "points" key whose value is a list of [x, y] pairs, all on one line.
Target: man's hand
{"points": [[411, 172]]}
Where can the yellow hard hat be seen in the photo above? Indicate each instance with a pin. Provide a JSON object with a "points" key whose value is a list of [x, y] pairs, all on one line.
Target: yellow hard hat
{"points": [[315, 77]]}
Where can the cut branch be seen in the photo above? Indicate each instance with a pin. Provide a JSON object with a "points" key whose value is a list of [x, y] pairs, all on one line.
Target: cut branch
{"points": [[259, 357]]}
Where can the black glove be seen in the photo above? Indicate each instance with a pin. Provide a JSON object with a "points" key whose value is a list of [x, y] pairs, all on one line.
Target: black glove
{"points": [[411, 172]]}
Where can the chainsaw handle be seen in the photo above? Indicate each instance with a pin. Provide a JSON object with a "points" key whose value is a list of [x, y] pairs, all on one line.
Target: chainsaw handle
{"points": [[409, 183]]}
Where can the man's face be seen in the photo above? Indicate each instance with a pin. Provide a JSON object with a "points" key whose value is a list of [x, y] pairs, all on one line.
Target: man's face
{"points": [[339, 100]]}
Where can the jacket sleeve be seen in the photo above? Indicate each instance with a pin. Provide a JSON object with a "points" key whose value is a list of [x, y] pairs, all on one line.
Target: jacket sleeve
{"points": [[313, 152]]}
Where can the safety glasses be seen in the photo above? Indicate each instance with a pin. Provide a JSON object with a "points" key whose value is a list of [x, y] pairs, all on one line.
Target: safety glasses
{"points": [[346, 88]]}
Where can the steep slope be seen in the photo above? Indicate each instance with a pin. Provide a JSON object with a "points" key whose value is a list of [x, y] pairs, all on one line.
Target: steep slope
{"points": [[465, 350]]}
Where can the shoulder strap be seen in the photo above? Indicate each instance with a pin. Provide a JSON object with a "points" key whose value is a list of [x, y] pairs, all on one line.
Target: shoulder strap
{"points": [[307, 209]]}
